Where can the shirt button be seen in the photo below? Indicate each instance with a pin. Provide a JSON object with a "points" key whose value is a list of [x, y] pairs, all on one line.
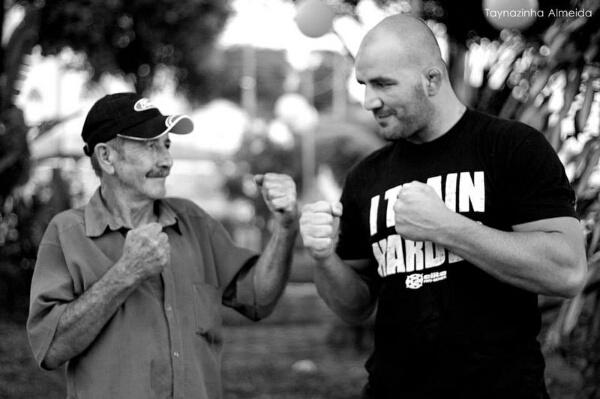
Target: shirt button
{"points": [[169, 308], [176, 354]]}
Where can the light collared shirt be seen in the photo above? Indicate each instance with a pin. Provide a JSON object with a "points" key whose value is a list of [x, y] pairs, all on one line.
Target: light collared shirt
{"points": [[165, 340]]}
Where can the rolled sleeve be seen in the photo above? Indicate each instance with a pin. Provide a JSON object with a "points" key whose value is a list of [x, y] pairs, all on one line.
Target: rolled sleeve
{"points": [[240, 293], [235, 268], [51, 290]]}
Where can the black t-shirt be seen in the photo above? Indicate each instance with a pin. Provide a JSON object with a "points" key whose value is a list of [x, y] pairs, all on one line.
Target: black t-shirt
{"points": [[445, 328]]}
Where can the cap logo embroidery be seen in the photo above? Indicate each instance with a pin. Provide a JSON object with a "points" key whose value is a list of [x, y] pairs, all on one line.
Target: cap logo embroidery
{"points": [[169, 120], [142, 105]]}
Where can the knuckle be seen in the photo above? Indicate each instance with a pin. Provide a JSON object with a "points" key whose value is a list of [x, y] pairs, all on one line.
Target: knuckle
{"points": [[322, 206], [307, 208], [323, 244]]}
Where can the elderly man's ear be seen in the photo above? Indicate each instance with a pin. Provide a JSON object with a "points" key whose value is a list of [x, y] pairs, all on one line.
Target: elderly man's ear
{"points": [[105, 156]]}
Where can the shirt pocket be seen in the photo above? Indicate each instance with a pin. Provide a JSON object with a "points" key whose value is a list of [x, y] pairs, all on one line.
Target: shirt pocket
{"points": [[207, 304]]}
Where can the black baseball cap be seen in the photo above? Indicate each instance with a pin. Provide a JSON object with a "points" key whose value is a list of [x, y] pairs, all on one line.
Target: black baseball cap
{"points": [[130, 116]]}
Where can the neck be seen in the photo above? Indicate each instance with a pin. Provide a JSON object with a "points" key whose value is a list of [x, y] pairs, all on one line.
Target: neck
{"points": [[446, 114], [130, 212]]}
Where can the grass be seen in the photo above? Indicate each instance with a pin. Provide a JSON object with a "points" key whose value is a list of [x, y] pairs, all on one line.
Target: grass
{"points": [[259, 361], [20, 378], [289, 362]]}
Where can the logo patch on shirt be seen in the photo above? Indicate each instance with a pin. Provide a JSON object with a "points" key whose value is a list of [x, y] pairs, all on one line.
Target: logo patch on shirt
{"points": [[171, 119], [416, 280]]}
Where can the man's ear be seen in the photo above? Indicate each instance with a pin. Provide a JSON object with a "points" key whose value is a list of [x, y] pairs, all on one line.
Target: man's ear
{"points": [[105, 156], [433, 80]]}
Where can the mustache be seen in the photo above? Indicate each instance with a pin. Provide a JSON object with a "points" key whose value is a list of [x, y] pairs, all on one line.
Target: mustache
{"points": [[162, 172]]}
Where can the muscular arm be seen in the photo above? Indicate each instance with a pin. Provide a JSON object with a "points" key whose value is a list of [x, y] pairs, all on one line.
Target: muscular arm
{"points": [[344, 290], [145, 253], [546, 256]]}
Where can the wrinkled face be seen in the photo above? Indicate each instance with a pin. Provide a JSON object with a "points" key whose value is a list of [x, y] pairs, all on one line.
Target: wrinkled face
{"points": [[143, 166], [394, 93]]}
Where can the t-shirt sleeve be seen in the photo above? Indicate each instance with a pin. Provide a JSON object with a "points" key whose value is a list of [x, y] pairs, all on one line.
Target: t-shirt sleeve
{"points": [[51, 291], [353, 241], [235, 270], [537, 186]]}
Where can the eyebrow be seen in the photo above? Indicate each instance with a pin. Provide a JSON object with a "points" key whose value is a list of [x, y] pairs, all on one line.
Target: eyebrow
{"points": [[377, 79]]}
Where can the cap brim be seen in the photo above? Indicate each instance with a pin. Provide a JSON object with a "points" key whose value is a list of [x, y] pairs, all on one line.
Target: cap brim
{"points": [[159, 126]]}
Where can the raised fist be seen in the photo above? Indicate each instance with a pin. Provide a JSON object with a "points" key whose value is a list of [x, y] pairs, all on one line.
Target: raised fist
{"points": [[419, 212], [146, 251], [279, 193], [319, 225]]}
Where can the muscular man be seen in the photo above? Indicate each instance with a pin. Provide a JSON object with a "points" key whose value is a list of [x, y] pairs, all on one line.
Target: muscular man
{"points": [[127, 289], [451, 231]]}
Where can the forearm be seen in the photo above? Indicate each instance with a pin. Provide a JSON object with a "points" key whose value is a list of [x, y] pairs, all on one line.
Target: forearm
{"points": [[539, 261], [272, 269], [343, 290], [85, 317]]}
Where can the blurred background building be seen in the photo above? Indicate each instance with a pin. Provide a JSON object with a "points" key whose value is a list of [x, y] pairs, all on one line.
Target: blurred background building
{"points": [[270, 87]]}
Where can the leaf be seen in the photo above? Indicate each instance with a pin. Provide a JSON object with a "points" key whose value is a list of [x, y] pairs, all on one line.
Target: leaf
{"points": [[582, 115], [572, 313]]}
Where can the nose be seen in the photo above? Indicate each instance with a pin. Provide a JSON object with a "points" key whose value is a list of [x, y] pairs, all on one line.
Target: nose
{"points": [[372, 100], [165, 160]]}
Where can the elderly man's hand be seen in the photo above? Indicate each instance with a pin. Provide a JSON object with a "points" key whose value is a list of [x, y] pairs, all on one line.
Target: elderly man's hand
{"points": [[146, 251], [279, 193]]}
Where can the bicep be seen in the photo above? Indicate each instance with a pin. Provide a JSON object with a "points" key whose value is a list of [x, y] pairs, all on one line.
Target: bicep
{"points": [[562, 230], [568, 227]]}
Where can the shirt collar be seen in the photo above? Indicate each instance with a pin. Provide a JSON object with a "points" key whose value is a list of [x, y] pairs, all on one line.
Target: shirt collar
{"points": [[98, 217]]}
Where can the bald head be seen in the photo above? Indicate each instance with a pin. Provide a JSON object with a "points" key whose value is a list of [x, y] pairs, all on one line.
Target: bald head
{"points": [[406, 82], [406, 40]]}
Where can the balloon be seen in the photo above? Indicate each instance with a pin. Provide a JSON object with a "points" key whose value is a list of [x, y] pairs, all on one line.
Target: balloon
{"points": [[314, 18], [510, 14]]}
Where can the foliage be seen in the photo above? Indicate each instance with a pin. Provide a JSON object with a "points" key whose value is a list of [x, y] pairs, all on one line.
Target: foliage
{"points": [[23, 219], [136, 37]]}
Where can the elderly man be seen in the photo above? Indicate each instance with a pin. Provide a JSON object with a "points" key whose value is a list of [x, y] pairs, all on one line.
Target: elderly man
{"points": [[127, 289], [452, 230]]}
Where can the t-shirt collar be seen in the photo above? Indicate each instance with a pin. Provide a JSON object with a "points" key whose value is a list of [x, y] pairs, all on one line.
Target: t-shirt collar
{"points": [[97, 217]]}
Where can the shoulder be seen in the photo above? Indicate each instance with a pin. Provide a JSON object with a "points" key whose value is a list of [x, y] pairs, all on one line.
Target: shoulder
{"points": [[500, 142], [70, 221], [502, 132]]}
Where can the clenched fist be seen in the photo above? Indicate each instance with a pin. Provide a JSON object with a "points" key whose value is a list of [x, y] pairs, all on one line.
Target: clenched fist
{"points": [[279, 193], [146, 251], [319, 225], [420, 213]]}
